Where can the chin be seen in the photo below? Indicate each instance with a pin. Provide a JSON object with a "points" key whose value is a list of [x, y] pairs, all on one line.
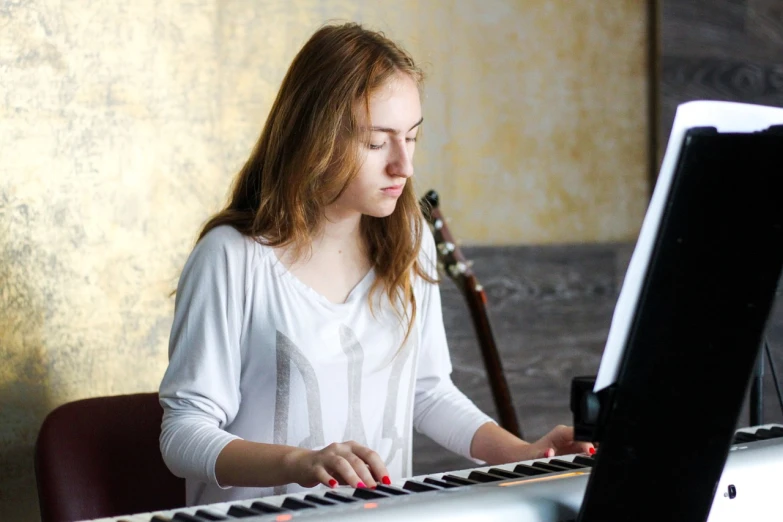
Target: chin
{"points": [[381, 211]]}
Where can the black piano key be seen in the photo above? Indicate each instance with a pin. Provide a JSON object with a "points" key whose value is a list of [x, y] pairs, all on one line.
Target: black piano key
{"points": [[549, 467], [339, 497], [480, 476], [586, 461], [296, 504], [777, 430], [504, 473], [185, 517], [440, 483], [419, 487], [741, 437], [319, 500], [264, 507], [208, 515], [242, 511], [460, 481], [368, 494], [524, 469], [390, 490], [566, 464], [763, 434], [160, 518]]}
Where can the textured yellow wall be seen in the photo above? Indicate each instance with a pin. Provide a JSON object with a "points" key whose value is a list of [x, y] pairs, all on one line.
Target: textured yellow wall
{"points": [[122, 123]]}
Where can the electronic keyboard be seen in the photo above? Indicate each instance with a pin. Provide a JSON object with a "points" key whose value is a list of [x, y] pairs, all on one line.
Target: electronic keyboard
{"points": [[540, 490]]}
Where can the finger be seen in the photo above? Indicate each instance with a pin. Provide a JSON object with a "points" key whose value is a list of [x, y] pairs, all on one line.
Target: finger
{"points": [[362, 470], [342, 468], [375, 462], [325, 478], [562, 435], [576, 447]]}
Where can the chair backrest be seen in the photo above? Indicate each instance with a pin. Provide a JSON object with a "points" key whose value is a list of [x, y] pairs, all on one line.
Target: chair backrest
{"points": [[100, 457]]}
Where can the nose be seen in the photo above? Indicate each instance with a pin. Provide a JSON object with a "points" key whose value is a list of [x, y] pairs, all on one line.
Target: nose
{"points": [[401, 160]]}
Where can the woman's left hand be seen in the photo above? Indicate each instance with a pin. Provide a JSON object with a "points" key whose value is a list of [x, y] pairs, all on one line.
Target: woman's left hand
{"points": [[494, 445], [560, 441]]}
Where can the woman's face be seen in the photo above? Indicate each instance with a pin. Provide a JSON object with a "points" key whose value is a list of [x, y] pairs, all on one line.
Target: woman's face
{"points": [[386, 160]]}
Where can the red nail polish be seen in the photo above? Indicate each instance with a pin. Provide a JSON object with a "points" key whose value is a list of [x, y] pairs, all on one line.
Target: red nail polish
{"points": [[332, 483], [591, 451], [360, 485], [386, 480]]}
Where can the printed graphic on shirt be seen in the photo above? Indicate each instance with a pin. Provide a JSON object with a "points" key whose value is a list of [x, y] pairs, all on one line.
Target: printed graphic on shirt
{"points": [[290, 357], [389, 431], [354, 429]]}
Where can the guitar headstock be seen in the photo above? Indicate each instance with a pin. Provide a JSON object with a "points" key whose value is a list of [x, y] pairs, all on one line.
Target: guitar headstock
{"points": [[453, 262]]}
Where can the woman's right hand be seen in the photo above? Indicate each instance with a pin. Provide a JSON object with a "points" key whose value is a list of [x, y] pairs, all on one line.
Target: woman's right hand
{"points": [[338, 463]]}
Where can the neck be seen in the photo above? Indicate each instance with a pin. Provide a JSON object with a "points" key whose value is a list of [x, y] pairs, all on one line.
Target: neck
{"points": [[339, 231]]}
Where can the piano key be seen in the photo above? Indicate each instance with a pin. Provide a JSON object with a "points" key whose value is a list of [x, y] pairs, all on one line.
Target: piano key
{"points": [[566, 464], [368, 494], [315, 499], [586, 461], [524, 469], [480, 476], [549, 467], [185, 517], [208, 515], [339, 497], [504, 473], [764, 434], [777, 430], [419, 487], [440, 483], [240, 511], [391, 490], [296, 504], [460, 481], [742, 436]]}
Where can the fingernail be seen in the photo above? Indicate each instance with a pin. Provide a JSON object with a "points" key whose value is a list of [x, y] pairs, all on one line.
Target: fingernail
{"points": [[386, 480], [360, 485], [591, 451], [332, 483], [550, 453]]}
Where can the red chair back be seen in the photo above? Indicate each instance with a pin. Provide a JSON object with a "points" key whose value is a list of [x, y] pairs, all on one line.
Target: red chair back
{"points": [[100, 457]]}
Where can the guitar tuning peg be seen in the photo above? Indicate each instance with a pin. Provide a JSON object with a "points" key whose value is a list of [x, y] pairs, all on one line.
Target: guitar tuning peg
{"points": [[438, 224], [457, 269], [446, 248]]}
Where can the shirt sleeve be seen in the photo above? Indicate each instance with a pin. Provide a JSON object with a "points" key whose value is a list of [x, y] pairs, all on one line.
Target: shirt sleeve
{"points": [[200, 391], [441, 411]]}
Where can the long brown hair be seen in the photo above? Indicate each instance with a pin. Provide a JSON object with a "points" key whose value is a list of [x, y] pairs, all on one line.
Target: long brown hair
{"points": [[308, 152]]}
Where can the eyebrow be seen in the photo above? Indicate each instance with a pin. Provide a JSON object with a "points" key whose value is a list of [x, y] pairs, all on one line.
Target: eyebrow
{"points": [[395, 131]]}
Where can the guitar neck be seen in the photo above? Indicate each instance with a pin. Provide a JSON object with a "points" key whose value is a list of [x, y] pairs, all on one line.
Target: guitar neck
{"points": [[458, 269]]}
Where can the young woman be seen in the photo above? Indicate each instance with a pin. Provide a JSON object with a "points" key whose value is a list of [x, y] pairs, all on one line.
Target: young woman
{"points": [[308, 341]]}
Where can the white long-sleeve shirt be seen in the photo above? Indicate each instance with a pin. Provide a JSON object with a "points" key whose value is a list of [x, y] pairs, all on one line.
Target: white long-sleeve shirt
{"points": [[256, 354]]}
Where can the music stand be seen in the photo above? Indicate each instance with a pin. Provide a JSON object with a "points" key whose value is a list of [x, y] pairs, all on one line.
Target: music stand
{"points": [[674, 374]]}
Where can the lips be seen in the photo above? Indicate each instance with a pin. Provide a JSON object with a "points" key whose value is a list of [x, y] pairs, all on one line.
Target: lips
{"points": [[393, 191]]}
